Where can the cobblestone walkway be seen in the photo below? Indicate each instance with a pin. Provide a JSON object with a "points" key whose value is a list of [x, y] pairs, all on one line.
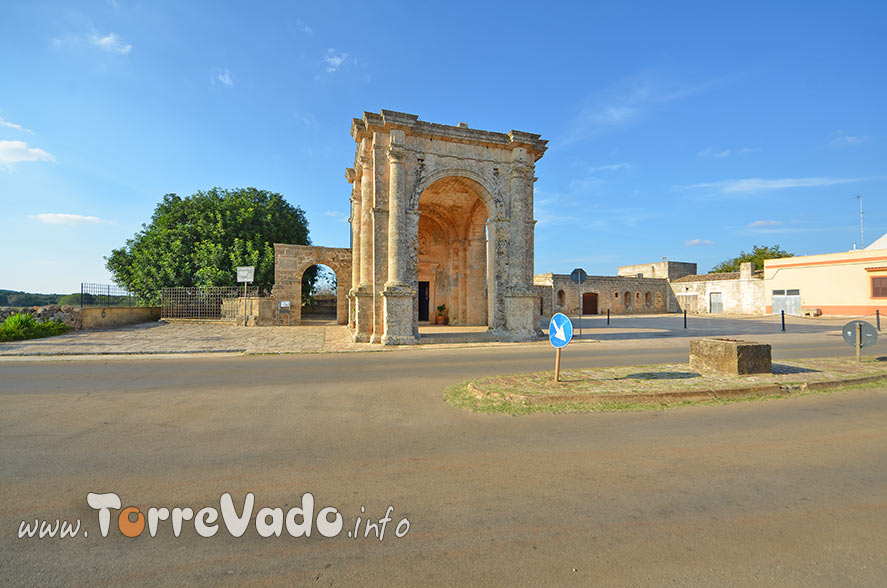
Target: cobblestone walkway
{"points": [[182, 337]]}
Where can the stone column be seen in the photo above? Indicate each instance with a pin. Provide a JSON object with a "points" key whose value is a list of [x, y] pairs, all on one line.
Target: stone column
{"points": [[521, 299], [398, 293], [355, 246], [364, 285]]}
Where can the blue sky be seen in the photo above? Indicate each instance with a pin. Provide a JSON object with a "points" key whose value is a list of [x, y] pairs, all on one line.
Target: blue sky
{"points": [[690, 130]]}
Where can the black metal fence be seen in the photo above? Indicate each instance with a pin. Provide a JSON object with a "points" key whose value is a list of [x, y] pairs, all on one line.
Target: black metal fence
{"points": [[105, 295], [203, 302]]}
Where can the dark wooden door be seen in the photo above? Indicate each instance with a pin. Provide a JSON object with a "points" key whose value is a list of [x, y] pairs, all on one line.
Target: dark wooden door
{"points": [[424, 295], [589, 303]]}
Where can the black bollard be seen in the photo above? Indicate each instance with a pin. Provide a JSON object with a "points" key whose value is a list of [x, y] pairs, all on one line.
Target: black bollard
{"points": [[783, 320], [608, 316], [878, 318], [685, 319]]}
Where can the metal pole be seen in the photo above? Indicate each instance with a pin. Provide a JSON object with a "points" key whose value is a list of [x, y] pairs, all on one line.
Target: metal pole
{"points": [[244, 304], [108, 297], [878, 317], [858, 341], [782, 312], [579, 298], [685, 319], [81, 294], [608, 316], [557, 365]]}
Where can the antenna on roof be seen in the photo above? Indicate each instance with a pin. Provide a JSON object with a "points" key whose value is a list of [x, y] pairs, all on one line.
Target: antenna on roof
{"points": [[861, 238]]}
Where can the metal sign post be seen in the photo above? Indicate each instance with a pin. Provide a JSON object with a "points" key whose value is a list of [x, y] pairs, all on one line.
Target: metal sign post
{"points": [[578, 277], [245, 274], [859, 334], [560, 332]]}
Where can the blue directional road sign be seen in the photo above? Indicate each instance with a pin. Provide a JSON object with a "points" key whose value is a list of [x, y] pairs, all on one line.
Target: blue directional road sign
{"points": [[560, 330]]}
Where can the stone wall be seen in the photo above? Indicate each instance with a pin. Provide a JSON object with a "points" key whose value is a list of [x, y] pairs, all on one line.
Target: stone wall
{"points": [[644, 295], [87, 318], [291, 261], [670, 270]]}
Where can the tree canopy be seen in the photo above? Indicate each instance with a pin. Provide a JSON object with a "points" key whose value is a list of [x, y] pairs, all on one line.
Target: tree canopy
{"points": [[757, 256], [200, 240]]}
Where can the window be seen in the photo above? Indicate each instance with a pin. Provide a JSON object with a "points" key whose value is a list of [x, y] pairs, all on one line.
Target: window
{"points": [[879, 287], [648, 299], [779, 292], [560, 297]]}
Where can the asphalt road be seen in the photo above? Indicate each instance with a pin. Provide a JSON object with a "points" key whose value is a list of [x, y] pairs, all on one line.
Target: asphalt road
{"points": [[783, 493]]}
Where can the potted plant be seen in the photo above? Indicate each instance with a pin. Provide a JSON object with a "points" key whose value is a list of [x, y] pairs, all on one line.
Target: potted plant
{"points": [[442, 314]]}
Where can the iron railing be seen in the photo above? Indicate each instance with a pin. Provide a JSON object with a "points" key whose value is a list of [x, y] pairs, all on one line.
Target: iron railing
{"points": [[104, 295], [204, 302]]}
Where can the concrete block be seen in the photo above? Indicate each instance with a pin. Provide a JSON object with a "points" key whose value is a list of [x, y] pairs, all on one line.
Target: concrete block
{"points": [[730, 356]]}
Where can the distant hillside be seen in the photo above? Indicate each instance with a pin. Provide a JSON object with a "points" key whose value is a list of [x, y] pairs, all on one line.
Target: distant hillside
{"points": [[16, 298]]}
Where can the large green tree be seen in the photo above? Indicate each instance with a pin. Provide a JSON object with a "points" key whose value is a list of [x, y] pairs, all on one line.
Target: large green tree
{"points": [[757, 256], [201, 239]]}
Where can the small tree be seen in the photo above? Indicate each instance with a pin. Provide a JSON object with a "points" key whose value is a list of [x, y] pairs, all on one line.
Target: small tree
{"points": [[200, 240], [757, 256]]}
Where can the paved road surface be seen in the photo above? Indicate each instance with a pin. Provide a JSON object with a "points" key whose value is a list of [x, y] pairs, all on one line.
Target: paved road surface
{"points": [[783, 493]]}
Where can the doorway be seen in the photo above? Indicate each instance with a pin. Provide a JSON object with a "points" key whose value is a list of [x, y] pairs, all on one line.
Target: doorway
{"points": [[589, 303], [424, 297], [716, 303]]}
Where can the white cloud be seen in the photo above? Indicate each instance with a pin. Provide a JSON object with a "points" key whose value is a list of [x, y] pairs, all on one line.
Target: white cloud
{"points": [[224, 77], [725, 153], [304, 28], [610, 167], [697, 242], [749, 185], [342, 218], [842, 139], [17, 151], [58, 218], [334, 59], [625, 103], [111, 43], [12, 125], [763, 223]]}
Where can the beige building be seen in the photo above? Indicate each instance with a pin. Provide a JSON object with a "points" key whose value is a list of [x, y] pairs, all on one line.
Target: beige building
{"points": [[852, 283], [739, 292]]}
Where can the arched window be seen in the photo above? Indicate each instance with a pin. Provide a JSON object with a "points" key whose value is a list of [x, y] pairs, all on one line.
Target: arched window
{"points": [[627, 299], [560, 297], [648, 299]]}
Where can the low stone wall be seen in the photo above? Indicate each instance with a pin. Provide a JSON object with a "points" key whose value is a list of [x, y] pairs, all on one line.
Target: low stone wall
{"points": [[66, 314], [104, 318]]}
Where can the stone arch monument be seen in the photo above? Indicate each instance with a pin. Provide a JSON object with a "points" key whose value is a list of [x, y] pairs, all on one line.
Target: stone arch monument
{"points": [[291, 261], [440, 216]]}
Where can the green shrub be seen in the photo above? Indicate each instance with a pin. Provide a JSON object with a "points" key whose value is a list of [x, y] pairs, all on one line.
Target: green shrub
{"points": [[24, 326]]}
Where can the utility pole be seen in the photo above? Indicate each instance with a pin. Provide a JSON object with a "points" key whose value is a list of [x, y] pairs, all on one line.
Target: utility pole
{"points": [[861, 234]]}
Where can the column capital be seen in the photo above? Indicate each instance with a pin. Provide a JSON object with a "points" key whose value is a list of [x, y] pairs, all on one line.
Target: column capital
{"points": [[396, 154]]}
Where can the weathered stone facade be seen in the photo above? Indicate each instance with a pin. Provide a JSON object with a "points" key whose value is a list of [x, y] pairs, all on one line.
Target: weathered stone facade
{"points": [[598, 294], [441, 215], [291, 261]]}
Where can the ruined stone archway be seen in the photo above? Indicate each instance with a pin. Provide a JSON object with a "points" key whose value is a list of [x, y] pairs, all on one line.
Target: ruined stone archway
{"points": [[291, 262]]}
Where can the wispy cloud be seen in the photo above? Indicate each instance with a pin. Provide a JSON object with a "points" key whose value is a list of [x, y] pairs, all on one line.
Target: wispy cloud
{"points": [[697, 242], [842, 139], [12, 125], [58, 218], [751, 185], [610, 167], [111, 43], [725, 153], [341, 217], [334, 59], [625, 103], [763, 223], [18, 151], [304, 28], [224, 77]]}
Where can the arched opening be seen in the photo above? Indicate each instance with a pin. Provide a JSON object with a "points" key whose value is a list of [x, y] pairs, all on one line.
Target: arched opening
{"points": [[320, 301], [648, 299], [626, 300], [454, 257], [560, 297]]}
